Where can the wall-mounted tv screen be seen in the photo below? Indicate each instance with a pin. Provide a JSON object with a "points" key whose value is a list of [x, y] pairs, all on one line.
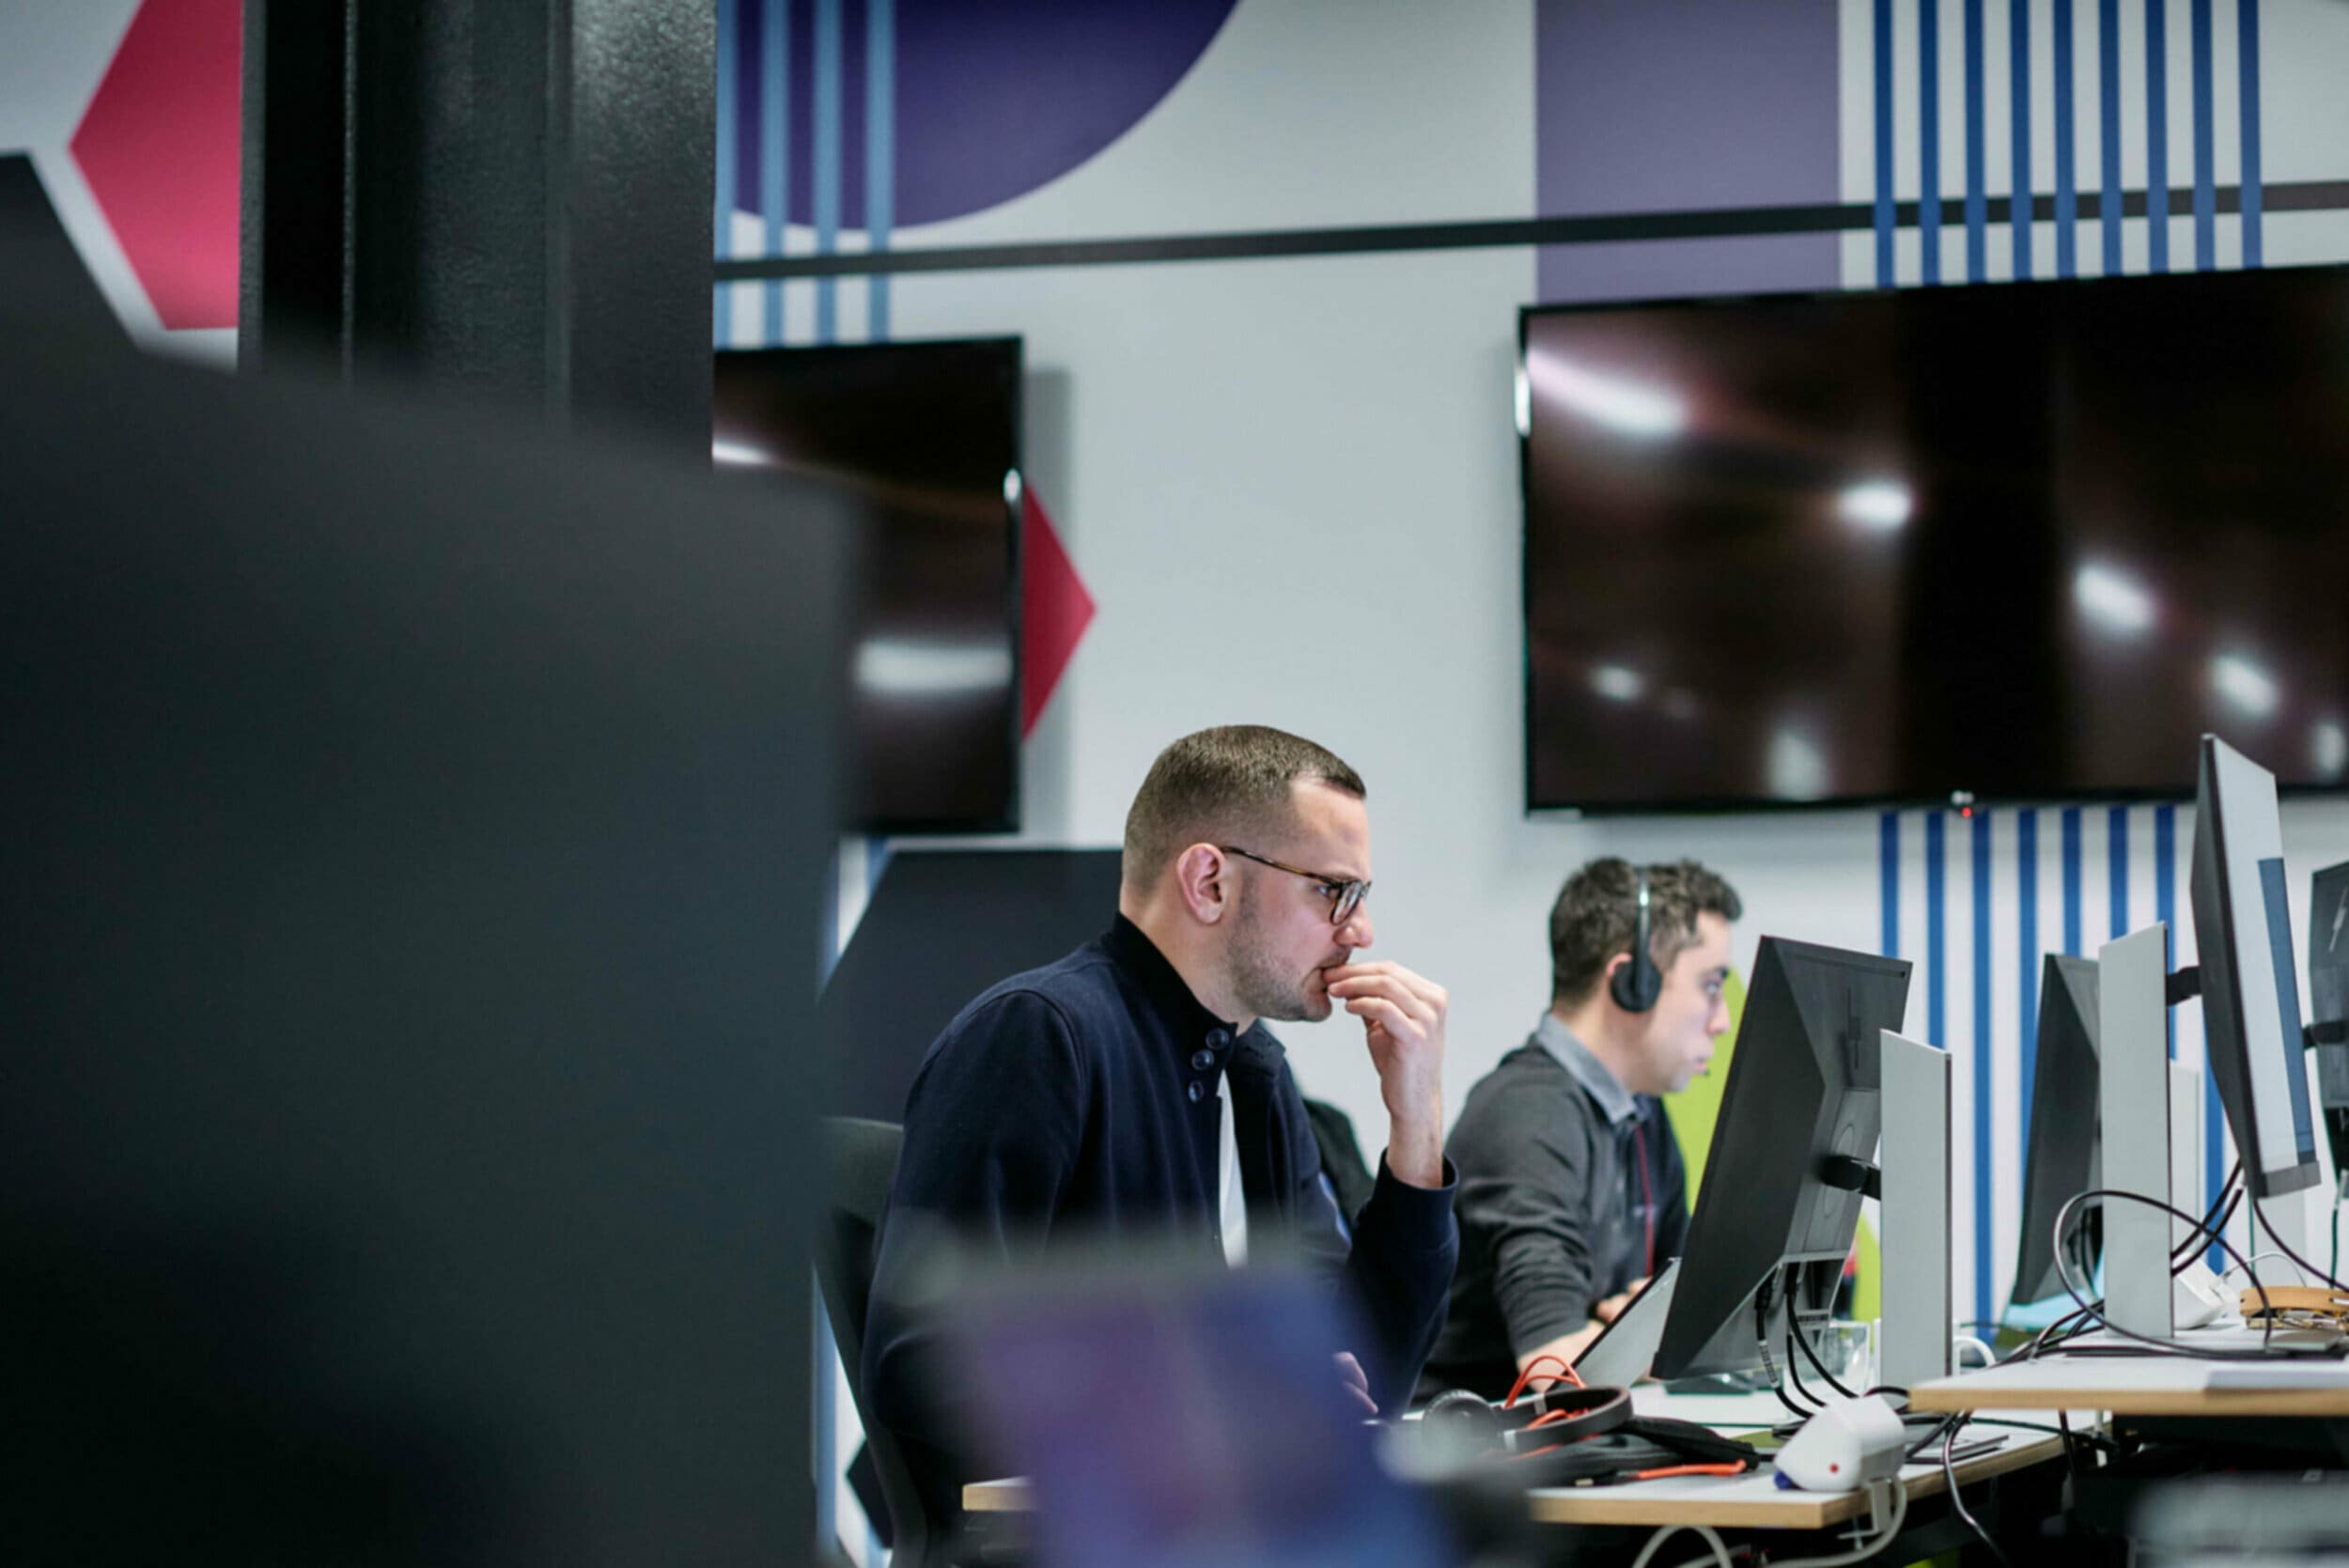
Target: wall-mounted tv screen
{"points": [[2028, 541], [926, 435]]}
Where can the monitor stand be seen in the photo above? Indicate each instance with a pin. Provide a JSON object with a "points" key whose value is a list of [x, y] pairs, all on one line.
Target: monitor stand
{"points": [[2161, 1103], [1914, 1341], [2152, 1106]]}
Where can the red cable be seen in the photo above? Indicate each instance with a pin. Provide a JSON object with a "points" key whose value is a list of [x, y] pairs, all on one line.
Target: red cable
{"points": [[1647, 1190], [1529, 1374]]}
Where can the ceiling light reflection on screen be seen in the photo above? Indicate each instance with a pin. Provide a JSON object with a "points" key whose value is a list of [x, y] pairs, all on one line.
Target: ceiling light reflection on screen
{"points": [[1617, 684], [1879, 505], [1680, 703], [2111, 601], [902, 667], [738, 454], [1796, 768], [1012, 487], [1525, 403], [2329, 747], [1632, 407], [2243, 684]]}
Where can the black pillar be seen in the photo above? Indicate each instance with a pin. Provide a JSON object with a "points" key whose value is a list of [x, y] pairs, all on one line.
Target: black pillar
{"points": [[511, 199]]}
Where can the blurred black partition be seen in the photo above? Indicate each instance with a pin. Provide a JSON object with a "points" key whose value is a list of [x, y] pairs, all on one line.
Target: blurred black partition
{"points": [[942, 926], [36, 256], [514, 199], [412, 875]]}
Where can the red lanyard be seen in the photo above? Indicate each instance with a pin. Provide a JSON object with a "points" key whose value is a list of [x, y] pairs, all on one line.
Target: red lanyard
{"points": [[1647, 1190]]}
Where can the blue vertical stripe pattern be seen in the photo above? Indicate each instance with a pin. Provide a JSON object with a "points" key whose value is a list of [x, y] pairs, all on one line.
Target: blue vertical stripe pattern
{"points": [[881, 150], [2027, 944], [1883, 213], [2117, 867], [2205, 152], [2248, 85], [2157, 132], [2109, 102], [722, 203], [774, 147], [2071, 880], [1937, 1008], [2018, 113], [826, 176], [2165, 900], [1929, 139], [1982, 1095], [2067, 202], [1889, 881], [1977, 187]]}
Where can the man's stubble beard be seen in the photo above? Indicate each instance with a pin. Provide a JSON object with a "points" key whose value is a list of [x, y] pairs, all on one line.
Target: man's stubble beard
{"points": [[1258, 983]]}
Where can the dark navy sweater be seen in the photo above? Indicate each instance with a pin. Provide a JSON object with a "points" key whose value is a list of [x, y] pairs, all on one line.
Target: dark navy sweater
{"points": [[1079, 1102]]}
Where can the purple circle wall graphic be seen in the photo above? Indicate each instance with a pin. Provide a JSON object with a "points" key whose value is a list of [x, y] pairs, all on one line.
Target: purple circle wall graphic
{"points": [[994, 98]]}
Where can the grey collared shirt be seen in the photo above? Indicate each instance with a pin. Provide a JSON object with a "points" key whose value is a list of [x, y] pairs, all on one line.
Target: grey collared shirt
{"points": [[1570, 1189], [1588, 1070]]}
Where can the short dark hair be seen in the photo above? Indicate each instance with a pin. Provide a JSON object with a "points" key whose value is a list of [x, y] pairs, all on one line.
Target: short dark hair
{"points": [[1597, 913], [1218, 785]]}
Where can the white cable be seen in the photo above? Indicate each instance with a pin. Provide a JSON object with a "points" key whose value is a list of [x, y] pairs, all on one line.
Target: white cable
{"points": [[1656, 1543], [2256, 1258], [1961, 1341], [1900, 1512]]}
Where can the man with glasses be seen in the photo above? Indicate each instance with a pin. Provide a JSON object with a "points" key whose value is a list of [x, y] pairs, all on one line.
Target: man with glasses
{"points": [[1572, 1189], [1131, 1087]]}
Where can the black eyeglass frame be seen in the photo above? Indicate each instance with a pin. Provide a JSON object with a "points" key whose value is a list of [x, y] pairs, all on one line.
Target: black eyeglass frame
{"points": [[1346, 895]]}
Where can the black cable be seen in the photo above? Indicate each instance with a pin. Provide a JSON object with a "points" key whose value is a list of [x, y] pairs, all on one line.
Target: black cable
{"points": [[1794, 1370], [1769, 1367], [1946, 1427], [1957, 1502], [2056, 1332], [2336, 1268], [2182, 1256], [1812, 1354], [2063, 1274], [2092, 1438]]}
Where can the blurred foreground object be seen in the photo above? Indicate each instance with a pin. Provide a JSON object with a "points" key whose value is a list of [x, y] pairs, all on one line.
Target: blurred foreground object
{"points": [[2237, 1522], [413, 870], [1175, 1417]]}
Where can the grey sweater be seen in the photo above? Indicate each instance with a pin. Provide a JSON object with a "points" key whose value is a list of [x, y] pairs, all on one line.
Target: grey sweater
{"points": [[1556, 1204]]}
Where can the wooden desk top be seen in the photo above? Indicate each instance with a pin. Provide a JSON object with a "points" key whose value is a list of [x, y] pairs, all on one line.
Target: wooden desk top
{"points": [[1756, 1501], [2150, 1385], [1747, 1501]]}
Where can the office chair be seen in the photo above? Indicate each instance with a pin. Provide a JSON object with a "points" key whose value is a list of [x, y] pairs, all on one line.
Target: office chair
{"points": [[863, 1156]]}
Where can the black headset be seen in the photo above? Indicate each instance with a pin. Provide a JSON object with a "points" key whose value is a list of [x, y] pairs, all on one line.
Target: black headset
{"points": [[1638, 984]]}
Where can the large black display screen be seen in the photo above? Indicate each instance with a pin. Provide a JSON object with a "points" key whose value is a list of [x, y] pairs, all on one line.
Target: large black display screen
{"points": [[2026, 541], [926, 437]]}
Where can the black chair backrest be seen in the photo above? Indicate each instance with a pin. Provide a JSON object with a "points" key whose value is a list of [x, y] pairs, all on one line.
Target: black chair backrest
{"points": [[862, 1158]]}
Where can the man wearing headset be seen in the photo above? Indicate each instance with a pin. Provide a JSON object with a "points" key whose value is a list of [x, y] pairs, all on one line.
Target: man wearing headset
{"points": [[1571, 1190]]}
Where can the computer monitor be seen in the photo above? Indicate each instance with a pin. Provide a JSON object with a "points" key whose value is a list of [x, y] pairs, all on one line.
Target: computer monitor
{"points": [[1798, 1121], [927, 437], [2064, 1157], [2251, 996], [2328, 1000]]}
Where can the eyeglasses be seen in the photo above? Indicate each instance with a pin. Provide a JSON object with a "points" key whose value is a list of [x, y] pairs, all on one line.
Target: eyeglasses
{"points": [[1344, 896]]}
